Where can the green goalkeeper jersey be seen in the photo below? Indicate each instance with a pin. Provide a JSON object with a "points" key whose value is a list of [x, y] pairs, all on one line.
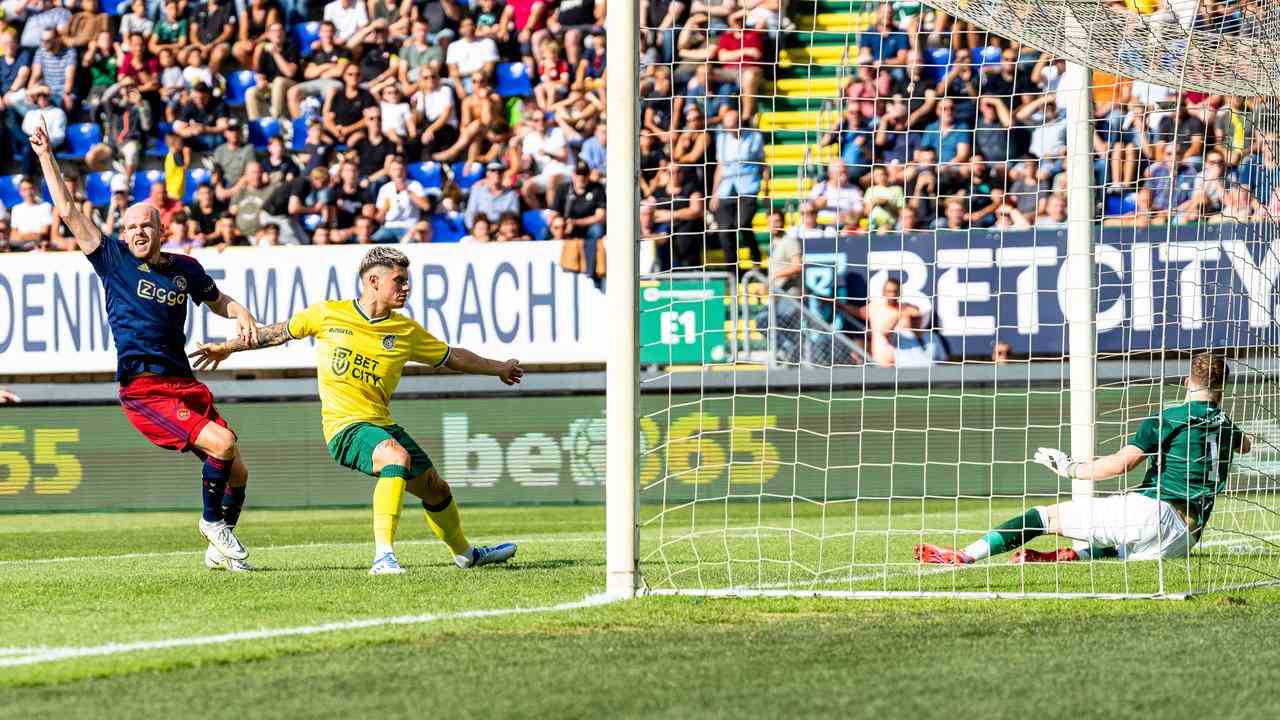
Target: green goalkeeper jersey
{"points": [[1189, 448]]}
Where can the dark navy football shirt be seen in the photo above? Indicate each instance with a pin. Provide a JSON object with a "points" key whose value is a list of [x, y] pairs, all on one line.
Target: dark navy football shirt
{"points": [[147, 307]]}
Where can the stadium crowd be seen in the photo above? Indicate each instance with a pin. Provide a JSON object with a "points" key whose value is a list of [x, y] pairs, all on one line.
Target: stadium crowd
{"points": [[262, 122]]}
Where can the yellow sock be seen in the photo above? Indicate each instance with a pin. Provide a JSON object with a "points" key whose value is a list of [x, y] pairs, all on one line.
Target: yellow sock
{"points": [[444, 522], [388, 499]]}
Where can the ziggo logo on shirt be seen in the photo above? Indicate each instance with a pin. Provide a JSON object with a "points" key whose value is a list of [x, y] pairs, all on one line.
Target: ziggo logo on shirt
{"points": [[164, 296]]}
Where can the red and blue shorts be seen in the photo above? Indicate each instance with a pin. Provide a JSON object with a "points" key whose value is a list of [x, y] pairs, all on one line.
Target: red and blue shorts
{"points": [[169, 411]]}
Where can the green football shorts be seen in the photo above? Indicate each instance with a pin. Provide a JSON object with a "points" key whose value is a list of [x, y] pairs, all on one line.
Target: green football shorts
{"points": [[353, 447]]}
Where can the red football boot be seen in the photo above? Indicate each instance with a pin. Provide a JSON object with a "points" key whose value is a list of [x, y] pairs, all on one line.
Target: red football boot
{"points": [[1027, 555], [936, 555]]}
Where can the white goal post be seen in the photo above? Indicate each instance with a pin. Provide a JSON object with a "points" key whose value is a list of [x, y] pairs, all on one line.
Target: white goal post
{"points": [[777, 440]]}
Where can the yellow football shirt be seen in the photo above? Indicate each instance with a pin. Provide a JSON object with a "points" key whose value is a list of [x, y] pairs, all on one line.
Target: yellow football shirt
{"points": [[359, 359]]}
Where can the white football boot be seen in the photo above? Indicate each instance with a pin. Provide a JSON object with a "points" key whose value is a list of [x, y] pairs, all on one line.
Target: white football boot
{"points": [[215, 560], [386, 564], [221, 536]]}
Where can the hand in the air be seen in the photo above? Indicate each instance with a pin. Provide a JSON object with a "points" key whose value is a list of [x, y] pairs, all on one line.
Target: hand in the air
{"points": [[209, 356], [1055, 460], [511, 372], [40, 140]]}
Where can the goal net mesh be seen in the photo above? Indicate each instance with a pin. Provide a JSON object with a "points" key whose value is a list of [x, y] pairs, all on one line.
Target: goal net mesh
{"points": [[854, 297]]}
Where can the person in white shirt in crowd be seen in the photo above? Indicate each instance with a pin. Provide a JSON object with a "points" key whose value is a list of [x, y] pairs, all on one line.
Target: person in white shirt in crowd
{"points": [[469, 54], [401, 205], [347, 16], [809, 229], [545, 154], [398, 122], [836, 192], [31, 219], [436, 107]]}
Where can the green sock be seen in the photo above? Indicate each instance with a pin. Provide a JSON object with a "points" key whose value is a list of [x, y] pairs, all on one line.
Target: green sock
{"points": [[1008, 535]]}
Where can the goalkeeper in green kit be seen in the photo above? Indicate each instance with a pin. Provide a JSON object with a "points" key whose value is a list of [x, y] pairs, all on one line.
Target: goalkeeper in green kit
{"points": [[1188, 448]]}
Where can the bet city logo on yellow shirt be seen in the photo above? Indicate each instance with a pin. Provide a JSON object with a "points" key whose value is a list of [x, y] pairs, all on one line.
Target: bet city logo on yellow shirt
{"points": [[344, 362]]}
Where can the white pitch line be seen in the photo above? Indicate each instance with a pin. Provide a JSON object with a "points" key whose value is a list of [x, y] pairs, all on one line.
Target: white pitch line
{"points": [[44, 655]]}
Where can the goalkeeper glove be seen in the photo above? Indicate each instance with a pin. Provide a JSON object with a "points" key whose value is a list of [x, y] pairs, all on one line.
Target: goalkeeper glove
{"points": [[1057, 461]]}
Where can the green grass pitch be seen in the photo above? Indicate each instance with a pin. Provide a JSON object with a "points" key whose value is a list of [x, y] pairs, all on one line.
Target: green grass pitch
{"points": [[88, 580]]}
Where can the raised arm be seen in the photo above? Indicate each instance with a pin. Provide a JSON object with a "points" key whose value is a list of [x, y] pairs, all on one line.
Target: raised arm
{"points": [[463, 360], [1107, 466], [88, 236]]}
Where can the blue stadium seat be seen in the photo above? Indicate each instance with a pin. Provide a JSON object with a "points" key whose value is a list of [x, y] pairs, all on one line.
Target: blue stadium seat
{"points": [[196, 177], [467, 174], [427, 173], [9, 194], [445, 229], [299, 134], [113, 8], [80, 137], [261, 131], [238, 83], [142, 182], [535, 223], [513, 80], [303, 35], [97, 187]]}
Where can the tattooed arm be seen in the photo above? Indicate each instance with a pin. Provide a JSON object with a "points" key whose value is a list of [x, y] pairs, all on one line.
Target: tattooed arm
{"points": [[210, 355]]}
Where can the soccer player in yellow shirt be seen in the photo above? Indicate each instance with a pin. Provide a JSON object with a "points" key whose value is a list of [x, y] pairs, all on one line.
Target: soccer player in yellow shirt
{"points": [[361, 348]]}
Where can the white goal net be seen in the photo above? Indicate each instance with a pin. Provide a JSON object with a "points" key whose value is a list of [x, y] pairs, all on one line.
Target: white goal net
{"points": [[888, 249]]}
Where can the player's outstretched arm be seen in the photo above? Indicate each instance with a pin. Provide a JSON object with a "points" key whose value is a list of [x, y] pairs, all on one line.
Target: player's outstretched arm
{"points": [[1107, 466], [87, 235], [246, 325], [463, 360], [209, 355]]}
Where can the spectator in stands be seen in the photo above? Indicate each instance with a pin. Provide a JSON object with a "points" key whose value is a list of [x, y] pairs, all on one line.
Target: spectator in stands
{"points": [[6, 245], [396, 14], [808, 228], [468, 55], [954, 217], [740, 165], [889, 322], [1000, 352], [398, 122], [489, 199], [883, 200], [481, 231], [1055, 212], [786, 258], [136, 21], [203, 215], [662, 17], [992, 135], [884, 44], [253, 21], [344, 110], [836, 192], [373, 149], [348, 17], [435, 110], [594, 154], [213, 31], [350, 200], [1238, 205], [201, 121], [1206, 194], [296, 201], [177, 161], [1259, 171], [554, 76], [14, 73], [677, 211], [54, 67], [247, 200], [322, 69], [84, 26], [401, 204], [112, 223], [545, 157], [509, 229], [158, 197], [233, 155], [581, 202], [172, 31], [571, 20], [100, 62], [32, 219], [1005, 212], [275, 65], [278, 166], [127, 121], [43, 113], [42, 16], [1049, 139], [379, 66], [1172, 181], [1145, 213], [740, 53], [416, 54]]}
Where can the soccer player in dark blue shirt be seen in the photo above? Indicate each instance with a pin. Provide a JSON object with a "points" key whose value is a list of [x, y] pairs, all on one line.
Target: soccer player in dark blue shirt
{"points": [[146, 294]]}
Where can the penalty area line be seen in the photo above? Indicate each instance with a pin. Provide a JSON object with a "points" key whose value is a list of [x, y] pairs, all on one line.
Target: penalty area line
{"points": [[46, 655]]}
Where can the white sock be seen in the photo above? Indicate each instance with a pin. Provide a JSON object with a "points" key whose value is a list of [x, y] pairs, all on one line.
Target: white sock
{"points": [[380, 550], [979, 549]]}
